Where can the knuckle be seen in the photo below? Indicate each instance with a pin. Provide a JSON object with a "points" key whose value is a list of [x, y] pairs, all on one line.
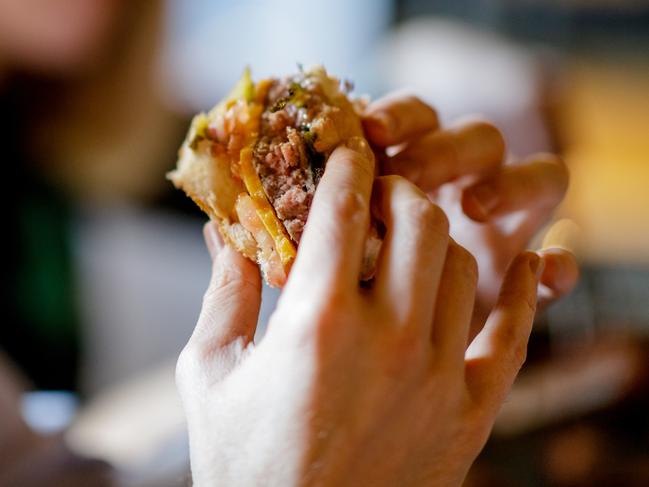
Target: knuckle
{"points": [[513, 341], [360, 158], [411, 204], [387, 184], [528, 302], [335, 299], [410, 343], [186, 365], [389, 180], [492, 134], [519, 354], [349, 205], [420, 211], [557, 170], [518, 299], [405, 347], [229, 283], [414, 100], [467, 263], [363, 151], [427, 215]]}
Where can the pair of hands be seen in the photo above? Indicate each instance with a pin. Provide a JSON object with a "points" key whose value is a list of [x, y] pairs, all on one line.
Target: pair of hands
{"points": [[394, 385]]}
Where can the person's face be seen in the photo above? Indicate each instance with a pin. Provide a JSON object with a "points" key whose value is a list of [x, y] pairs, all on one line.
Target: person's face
{"points": [[54, 35]]}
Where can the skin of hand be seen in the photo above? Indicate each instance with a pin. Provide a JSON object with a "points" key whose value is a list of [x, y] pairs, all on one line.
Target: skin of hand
{"points": [[353, 385], [494, 209]]}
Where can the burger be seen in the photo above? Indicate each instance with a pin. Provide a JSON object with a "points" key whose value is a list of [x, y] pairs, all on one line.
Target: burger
{"points": [[253, 163]]}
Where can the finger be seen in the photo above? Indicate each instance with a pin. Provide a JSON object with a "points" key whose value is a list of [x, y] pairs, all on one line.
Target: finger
{"points": [[397, 118], [560, 275], [496, 355], [331, 247], [472, 148], [231, 303], [413, 252], [453, 318], [539, 184]]}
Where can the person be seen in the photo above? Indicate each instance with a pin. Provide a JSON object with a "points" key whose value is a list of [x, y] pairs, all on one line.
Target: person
{"points": [[398, 383], [82, 124]]}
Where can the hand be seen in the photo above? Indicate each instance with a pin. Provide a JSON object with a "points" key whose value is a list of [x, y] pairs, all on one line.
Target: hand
{"points": [[494, 209], [353, 386]]}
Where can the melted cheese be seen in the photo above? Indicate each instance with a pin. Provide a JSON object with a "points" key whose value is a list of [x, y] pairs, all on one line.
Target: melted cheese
{"points": [[266, 212]]}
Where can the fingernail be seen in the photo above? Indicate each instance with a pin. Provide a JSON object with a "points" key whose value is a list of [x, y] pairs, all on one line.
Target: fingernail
{"points": [[563, 234], [360, 145], [213, 239], [536, 265], [486, 198], [551, 263]]}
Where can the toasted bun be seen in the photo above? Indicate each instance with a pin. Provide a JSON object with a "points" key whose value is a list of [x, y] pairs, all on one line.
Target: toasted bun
{"points": [[220, 170], [208, 180]]}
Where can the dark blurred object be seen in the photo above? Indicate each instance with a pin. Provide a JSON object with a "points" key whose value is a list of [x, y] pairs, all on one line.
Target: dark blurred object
{"points": [[50, 463], [609, 300], [577, 416], [28, 459], [598, 436], [40, 326], [573, 24], [567, 385], [82, 126]]}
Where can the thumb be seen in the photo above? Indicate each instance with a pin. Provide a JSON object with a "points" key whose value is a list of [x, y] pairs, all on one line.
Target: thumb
{"points": [[231, 303]]}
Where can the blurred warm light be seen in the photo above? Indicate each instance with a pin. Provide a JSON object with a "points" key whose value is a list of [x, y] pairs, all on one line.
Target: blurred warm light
{"points": [[604, 119]]}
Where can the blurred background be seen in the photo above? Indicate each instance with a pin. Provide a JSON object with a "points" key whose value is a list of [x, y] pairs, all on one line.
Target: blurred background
{"points": [[106, 265]]}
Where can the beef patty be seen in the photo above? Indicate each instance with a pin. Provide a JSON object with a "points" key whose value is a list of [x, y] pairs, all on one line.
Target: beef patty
{"points": [[286, 159]]}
